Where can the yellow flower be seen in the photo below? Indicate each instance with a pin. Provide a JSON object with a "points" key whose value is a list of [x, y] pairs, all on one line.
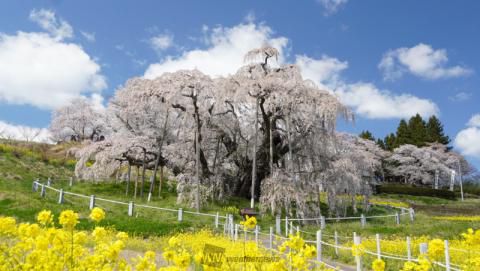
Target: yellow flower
{"points": [[45, 218], [358, 250], [310, 251], [150, 255], [436, 249], [68, 219], [198, 257], [378, 265], [249, 223], [173, 241], [182, 259], [168, 255], [99, 233], [122, 236], [97, 214], [7, 225]]}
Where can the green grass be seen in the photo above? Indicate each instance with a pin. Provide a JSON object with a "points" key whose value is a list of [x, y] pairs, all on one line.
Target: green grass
{"points": [[17, 199]]}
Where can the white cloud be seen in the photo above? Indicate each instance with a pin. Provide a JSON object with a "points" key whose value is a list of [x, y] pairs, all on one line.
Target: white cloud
{"points": [[474, 121], [364, 98], [460, 97], [325, 72], [88, 36], [46, 19], [40, 69], [225, 52], [26, 133], [161, 42], [468, 139], [422, 61], [226, 48], [332, 6], [371, 102]]}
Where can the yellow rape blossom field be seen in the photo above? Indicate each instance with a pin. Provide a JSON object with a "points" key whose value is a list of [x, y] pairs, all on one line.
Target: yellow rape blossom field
{"points": [[44, 246], [47, 246]]}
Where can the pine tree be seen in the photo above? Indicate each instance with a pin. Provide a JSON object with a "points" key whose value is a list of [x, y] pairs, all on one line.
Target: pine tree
{"points": [[402, 135], [417, 131], [390, 142], [435, 131], [367, 135], [381, 144]]}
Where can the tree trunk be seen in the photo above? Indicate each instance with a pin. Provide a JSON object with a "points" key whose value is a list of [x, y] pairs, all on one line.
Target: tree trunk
{"points": [[128, 178], [160, 182], [271, 147], [159, 155], [136, 183], [144, 165], [289, 162], [254, 165], [215, 171], [197, 177]]}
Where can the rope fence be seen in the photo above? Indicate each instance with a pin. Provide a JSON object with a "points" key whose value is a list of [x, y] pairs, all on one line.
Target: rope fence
{"points": [[232, 230]]}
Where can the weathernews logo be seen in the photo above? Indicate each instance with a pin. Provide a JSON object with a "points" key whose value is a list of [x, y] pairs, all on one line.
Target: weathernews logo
{"points": [[214, 256]]}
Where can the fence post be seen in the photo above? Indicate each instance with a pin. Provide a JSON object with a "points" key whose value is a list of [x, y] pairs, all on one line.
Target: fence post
{"points": [[298, 229], [60, 197], [130, 208], [231, 225], [379, 251], [216, 220], [409, 249], [271, 238], [286, 226], [322, 222], [92, 202], [34, 186], [149, 198], [278, 228], [236, 232], [447, 256], [180, 214], [412, 214], [363, 220], [358, 259], [291, 227], [319, 245], [49, 182], [43, 191], [397, 218], [71, 182], [335, 237], [423, 248], [256, 234]]}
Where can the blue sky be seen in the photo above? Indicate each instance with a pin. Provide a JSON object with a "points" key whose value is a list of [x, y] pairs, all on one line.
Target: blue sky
{"points": [[384, 59]]}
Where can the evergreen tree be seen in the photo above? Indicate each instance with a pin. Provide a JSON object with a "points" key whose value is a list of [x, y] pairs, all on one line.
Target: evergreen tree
{"points": [[367, 135], [403, 135], [381, 144], [435, 131], [417, 131], [390, 141]]}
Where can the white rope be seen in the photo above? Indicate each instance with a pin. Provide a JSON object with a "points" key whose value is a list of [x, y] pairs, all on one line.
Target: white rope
{"points": [[125, 203], [75, 194], [157, 208], [111, 201]]}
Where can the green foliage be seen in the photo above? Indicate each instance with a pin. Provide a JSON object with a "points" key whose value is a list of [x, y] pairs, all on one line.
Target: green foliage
{"points": [[403, 134], [415, 191], [435, 131], [415, 132], [367, 135], [390, 141]]}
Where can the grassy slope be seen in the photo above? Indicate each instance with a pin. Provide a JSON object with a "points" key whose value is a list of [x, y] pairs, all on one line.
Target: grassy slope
{"points": [[17, 199]]}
